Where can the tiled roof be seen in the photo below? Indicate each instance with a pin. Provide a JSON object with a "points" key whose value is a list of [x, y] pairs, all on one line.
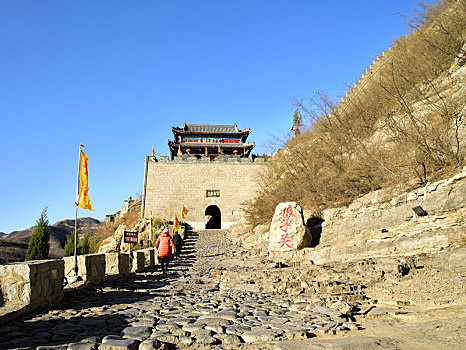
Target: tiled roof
{"points": [[210, 128]]}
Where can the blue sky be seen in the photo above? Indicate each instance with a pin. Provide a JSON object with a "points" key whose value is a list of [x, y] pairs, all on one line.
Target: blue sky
{"points": [[117, 75]]}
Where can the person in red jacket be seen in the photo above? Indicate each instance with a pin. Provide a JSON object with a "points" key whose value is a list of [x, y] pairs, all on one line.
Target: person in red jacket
{"points": [[164, 252]]}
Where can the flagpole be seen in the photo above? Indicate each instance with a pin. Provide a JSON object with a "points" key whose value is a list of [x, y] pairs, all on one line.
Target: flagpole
{"points": [[75, 242], [76, 218]]}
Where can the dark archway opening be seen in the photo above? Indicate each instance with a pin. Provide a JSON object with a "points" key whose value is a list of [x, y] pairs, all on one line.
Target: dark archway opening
{"points": [[214, 217], [315, 226]]}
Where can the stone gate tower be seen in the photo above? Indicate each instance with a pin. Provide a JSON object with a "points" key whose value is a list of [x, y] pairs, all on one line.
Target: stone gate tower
{"points": [[209, 171]]}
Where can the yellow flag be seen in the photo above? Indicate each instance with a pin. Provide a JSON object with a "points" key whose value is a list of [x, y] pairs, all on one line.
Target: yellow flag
{"points": [[176, 224], [184, 211], [153, 151], [83, 185], [220, 151], [206, 153]]}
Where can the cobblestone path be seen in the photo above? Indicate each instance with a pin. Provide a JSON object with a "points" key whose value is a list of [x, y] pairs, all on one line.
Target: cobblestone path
{"points": [[190, 307]]}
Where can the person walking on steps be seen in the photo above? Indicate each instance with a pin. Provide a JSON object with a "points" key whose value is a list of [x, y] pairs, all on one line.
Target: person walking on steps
{"points": [[177, 240], [164, 250]]}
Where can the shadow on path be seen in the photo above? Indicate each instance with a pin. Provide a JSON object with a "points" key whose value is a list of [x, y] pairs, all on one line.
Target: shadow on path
{"points": [[101, 310]]}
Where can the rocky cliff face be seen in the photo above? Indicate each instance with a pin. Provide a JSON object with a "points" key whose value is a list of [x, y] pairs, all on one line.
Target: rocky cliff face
{"points": [[378, 225], [375, 225], [116, 243]]}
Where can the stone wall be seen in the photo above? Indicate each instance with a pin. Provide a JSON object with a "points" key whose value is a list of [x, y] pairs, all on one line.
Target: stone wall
{"points": [[138, 261], [31, 284], [117, 264], [366, 79], [28, 285], [91, 267], [149, 257], [171, 184]]}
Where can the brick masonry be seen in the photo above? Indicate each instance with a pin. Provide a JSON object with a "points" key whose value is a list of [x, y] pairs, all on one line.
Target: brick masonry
{"points": [[170, 184]]}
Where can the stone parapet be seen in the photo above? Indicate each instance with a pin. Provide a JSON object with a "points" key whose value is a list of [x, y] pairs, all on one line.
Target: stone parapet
{"points": [[28, 285], [149, 257], [117, 264], [365, 79], [91, 267], [138, 261]]}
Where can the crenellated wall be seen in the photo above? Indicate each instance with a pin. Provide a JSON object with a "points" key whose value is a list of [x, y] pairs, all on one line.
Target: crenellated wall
{"points": [[365, 79]]}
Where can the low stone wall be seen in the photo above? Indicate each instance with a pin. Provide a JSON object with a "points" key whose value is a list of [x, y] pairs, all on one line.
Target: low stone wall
{"points": [[27, 285], [138, 261], [149, 257], [30, 284], [117, 264], [91, 267]]}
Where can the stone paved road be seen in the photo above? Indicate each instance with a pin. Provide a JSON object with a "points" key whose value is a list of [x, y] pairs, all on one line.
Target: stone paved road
{"points": [[189, 307]]}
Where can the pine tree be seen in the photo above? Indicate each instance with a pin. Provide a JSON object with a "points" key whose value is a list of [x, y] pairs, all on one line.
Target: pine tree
{"points": [[69, 245], [82, 248], [39, 245]]}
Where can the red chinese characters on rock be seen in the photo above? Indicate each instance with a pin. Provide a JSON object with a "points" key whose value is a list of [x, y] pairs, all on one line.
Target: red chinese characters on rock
{"points": [[285, 216]]}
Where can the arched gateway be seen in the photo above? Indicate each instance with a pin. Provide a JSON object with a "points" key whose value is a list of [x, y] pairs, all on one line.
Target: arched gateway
{"points": [[214, 217]]}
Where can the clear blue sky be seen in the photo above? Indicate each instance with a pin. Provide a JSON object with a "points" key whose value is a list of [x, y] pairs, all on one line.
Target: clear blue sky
{"points": [[116, 75]]}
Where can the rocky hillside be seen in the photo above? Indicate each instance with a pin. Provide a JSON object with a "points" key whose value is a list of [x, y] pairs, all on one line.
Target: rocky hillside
{"points": [[13, 246], [400, 274], [379, 224]]}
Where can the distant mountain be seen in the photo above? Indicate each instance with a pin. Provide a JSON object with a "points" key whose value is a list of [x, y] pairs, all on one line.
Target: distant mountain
{"points": [[13, 246]]}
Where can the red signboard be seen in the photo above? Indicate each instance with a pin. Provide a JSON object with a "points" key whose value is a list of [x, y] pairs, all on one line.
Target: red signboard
{"points": [[130, 237]]}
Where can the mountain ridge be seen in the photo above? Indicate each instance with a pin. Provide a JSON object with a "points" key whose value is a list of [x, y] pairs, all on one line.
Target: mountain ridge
{"points": [[13, 246]]}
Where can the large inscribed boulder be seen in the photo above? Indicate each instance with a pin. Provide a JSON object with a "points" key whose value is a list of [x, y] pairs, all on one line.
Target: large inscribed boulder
{"points": [[288, 231]]}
